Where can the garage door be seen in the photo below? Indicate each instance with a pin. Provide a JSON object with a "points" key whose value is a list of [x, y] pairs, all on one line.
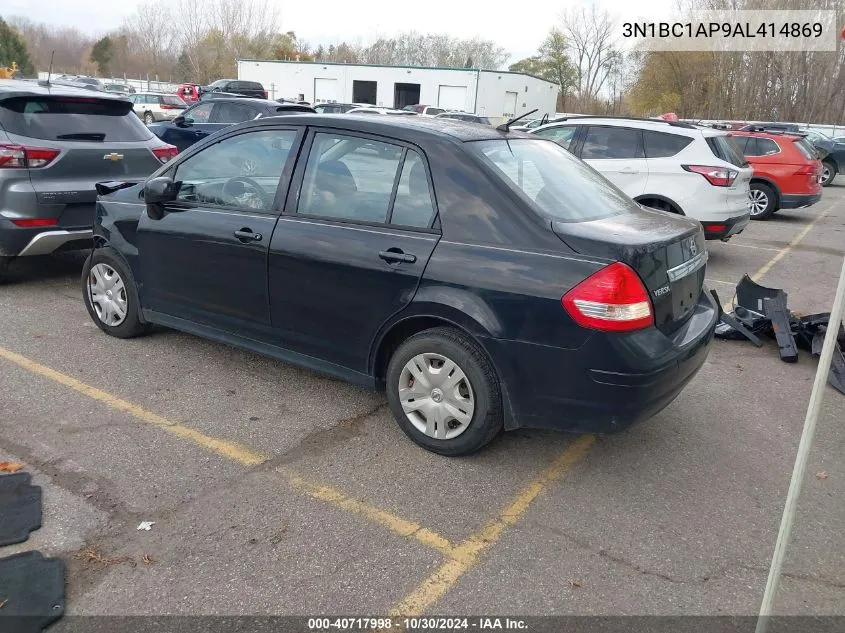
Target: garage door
{"points": [[452, 97], [325, 90], [510, 104]]}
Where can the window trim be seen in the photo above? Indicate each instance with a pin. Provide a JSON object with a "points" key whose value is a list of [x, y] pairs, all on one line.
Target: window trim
{"points": [[295, 188], [284, 179]]}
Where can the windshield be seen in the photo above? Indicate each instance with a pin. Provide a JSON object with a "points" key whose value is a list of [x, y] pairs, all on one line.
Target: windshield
{"points": [[806, 148], [555, 182]]}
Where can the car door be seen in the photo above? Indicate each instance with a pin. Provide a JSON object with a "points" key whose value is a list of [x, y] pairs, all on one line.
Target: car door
{"points": [[205, 260], [197, 125], [617, 153], [348, 253]]}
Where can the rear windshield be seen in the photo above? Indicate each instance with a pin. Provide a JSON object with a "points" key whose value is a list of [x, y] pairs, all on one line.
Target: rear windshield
{"points": [[726, 148], [72, 118], [806, 148], [553, 180]]}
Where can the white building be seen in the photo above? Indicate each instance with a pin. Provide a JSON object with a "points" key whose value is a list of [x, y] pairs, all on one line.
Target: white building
{"points": [[490, 93]]}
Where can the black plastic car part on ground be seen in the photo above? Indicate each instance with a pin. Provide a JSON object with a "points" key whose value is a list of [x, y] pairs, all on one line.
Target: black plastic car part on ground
{"points": [[209, 116], [32, 592], [485, 279], [20, 508]]}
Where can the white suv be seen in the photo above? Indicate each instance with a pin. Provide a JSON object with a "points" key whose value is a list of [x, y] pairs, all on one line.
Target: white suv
{"points": [[666, 165]]}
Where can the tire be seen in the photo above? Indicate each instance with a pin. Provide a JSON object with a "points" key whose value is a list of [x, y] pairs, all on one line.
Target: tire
{"points": [[4, 267], [483, 422], [763, 201], [828, 173], [660, 205], [105, 259], [149, 118]]}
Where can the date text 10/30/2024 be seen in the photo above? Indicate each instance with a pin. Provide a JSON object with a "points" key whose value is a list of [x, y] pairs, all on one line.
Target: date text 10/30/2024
{"points": [[420, 625]]}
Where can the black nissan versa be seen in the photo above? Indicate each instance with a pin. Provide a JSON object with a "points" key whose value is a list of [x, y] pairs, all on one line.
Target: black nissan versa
{"points": [[486, 279]]}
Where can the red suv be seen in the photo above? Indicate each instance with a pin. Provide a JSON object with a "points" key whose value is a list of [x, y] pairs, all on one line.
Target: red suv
{"points": [[190, 93], [786, 171]]}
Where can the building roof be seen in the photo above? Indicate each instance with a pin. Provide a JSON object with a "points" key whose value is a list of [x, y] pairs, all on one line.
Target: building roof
{"points": [[452, 68], [403, 125]]}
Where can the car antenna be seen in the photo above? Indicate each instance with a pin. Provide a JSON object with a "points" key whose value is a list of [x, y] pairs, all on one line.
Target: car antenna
{"points": [[50, 70], [505, 127]]}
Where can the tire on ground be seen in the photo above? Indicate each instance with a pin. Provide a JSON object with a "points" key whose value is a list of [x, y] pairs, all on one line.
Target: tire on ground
{"points": [[131, 326], [487, 418], [771, 198]]}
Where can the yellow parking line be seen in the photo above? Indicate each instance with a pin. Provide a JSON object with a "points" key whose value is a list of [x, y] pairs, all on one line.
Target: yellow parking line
{"points": [[465, 555], [239, 453], [785, 250], [403, 527]]}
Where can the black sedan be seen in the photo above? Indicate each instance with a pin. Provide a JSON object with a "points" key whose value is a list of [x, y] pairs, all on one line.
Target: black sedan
{"points": [[206, 117], [486, 279]]}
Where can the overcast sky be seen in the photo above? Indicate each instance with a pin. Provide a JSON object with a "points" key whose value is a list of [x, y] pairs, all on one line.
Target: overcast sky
{"points": [[520, 30]]}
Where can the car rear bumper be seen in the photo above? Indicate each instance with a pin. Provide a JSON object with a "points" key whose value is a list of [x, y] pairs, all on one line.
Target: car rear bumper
{"points": [[608, 384], [724, 229], [22, 242], [798, 200]]}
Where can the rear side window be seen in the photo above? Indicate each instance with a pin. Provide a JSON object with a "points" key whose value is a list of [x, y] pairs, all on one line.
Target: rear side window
{"points": [[251, 85], [72, 118], [172, 100], [761, 147], [806, 149], [726, 148], [552, 180], [663, 145], [611, 143], [230, 112]]}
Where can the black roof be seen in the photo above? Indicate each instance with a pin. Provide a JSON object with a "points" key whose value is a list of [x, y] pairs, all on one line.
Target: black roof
{"points": [[24, 88], [405, 125]]}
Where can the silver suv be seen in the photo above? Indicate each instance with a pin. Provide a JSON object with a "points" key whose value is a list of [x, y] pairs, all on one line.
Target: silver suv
{"points": [[56, 143]]}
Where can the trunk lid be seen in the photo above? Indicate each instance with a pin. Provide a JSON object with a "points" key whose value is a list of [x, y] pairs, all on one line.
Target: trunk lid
{"points": [[667, 252]]}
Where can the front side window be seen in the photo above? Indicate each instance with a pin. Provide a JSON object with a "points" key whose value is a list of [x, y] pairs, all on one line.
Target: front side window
{"points": [[242, 171], [349, 178], [552, 180], [562, 135], [606, 142], [200, 113]]}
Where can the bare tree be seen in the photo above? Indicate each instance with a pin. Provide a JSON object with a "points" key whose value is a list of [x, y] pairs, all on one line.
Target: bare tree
{"points": [[589, 36]]}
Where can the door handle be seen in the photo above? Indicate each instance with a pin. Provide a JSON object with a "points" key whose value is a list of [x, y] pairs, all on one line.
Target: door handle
{"points": [[397, 256], [629, 170], [246, 235]]}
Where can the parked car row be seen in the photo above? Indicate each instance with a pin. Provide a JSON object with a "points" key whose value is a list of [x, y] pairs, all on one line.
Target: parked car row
{"points": [[718, 177]]}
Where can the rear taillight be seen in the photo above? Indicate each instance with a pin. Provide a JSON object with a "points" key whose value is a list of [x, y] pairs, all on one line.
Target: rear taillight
{"points": [[716, 176], [166, 106], [613, 299], [165, 153], [806, 170], [36, 222], [21, 156], [266, 95]]}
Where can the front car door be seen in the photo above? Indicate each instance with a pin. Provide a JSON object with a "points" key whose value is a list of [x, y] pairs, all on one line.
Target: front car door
{"points": [[359, 226], [205, 260], [617, 153]]}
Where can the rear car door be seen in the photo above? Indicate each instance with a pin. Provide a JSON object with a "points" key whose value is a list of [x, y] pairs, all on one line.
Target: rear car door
{"points": [[205, 260], [88, 139], [348, 253], [617, 153]]}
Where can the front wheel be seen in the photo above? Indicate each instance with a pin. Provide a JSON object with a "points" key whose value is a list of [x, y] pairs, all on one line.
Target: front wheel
{"points": [[762, 201], [110, 296], [828, 173], [444, 393]]}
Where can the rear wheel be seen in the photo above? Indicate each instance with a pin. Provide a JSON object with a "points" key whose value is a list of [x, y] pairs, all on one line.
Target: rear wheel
{"points": [[828, 173], [149, 118], [110, 296], [444, 393], [762, 201], [660, 205], [4, 267]]}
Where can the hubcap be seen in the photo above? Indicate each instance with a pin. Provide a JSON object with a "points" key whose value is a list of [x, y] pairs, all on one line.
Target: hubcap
{"points": [[825, 173], [436, 396], [108, 294], [759, 201]]}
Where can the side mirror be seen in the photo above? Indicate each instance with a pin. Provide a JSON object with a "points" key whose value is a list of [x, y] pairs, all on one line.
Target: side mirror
{"points": [[161, 190], [181, 121]]}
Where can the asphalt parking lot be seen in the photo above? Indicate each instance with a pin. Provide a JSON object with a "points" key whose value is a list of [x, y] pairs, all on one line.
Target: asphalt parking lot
{"points": [[274, 490]]}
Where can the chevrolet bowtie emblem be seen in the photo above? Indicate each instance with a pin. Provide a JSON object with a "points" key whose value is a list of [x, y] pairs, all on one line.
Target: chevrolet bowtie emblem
{"points": [[114, 156]]}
